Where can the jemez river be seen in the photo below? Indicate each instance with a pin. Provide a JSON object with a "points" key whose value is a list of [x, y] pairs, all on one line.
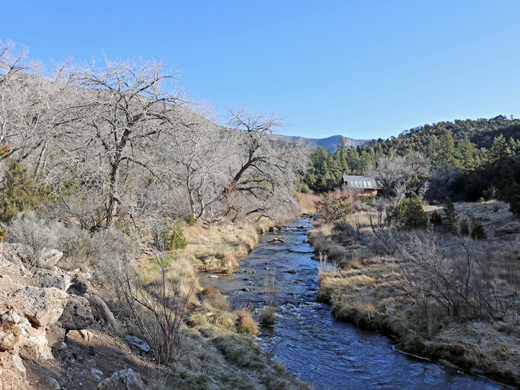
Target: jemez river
{"points": [[309, 341]]}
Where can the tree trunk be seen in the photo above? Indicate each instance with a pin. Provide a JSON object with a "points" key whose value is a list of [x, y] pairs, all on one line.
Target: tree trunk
{"points": [[112, 193]]}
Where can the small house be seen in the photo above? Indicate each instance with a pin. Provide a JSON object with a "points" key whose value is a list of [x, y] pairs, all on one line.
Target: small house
{"points": [[362, 185], [498, 118]]}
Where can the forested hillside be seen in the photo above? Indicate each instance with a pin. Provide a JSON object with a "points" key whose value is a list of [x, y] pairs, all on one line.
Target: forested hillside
{"points": [[467, 159], [326, 167]]}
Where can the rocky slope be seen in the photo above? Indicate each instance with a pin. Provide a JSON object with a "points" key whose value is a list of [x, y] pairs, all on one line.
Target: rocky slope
{"points": [[51, 328], [58, 331]]}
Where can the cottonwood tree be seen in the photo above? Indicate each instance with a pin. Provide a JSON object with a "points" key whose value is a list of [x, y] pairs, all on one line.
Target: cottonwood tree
{"points": [[401, 175], [122, 109], [264, 166], [33, 106], [198, 160], [114, 135], [11, 60], [236, 171], [33, 110], [239, 171]]}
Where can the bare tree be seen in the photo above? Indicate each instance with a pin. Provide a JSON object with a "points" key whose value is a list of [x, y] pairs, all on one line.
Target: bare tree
{"points": [[198, 159], [123, 108], [241, 171], [11, 60], [461, 281], [400, 175], [253, 156], [114, 138], [32, 106], [265, 167]]}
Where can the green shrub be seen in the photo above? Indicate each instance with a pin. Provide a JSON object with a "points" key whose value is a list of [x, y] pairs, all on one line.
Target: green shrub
{"points": [[450, 219], [332, 208], [176, 239], [464, 227], [190, 219], [470, 227], [436, 218], [370, 200], [408, 213], [3, 151], [478, 232], [18, 191], [168, 235], [475, 229]]}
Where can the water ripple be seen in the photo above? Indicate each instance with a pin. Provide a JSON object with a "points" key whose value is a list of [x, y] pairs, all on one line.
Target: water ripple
{"points": [[311, 343]]}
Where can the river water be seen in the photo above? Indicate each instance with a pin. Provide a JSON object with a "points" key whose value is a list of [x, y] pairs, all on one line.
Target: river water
{"points": [[309, 341]]}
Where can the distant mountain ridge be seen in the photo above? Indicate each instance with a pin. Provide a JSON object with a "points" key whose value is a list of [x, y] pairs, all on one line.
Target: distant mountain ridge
{"points": [[328, 143]]}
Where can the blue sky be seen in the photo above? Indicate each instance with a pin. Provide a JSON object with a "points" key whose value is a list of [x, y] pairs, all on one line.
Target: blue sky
{"points": [[362, 69]]}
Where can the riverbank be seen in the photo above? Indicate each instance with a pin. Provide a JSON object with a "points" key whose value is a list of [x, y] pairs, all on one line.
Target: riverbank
{"points": [[371, 276], [67, 320], [219, 349], [219, 247], [307, 339]]}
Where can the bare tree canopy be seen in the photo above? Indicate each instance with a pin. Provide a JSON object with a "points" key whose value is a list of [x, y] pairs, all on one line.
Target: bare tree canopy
{"points": [[116, 138], [400, 175], [122, 109]]}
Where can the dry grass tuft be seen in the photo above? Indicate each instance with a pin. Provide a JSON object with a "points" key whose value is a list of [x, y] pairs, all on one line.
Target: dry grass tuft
{"points": [[213, 297], [179, 270], [220, 318], [267, 316], [245, 323]]}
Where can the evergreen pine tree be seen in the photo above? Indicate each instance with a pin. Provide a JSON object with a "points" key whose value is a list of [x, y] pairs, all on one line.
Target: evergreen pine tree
{"points": [[333, 171], [364, 161], [320, 160], [409, 213], [500, 149], [465, 150], [341, 155], [353, 160], [514, 199], [17, 192], [446, 155], [450, 219]]}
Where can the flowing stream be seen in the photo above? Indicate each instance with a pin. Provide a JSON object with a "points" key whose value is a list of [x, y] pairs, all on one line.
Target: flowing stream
{"points": [[309, 341]]}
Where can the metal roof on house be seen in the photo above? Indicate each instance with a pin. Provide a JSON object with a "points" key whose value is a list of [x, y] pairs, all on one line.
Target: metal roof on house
{"points": [[360, 181]]}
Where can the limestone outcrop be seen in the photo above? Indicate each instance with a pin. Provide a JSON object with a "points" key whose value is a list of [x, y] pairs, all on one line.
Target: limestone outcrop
{"points": [[41, 306], [77, 314], [123, 380], [35, 312]]}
